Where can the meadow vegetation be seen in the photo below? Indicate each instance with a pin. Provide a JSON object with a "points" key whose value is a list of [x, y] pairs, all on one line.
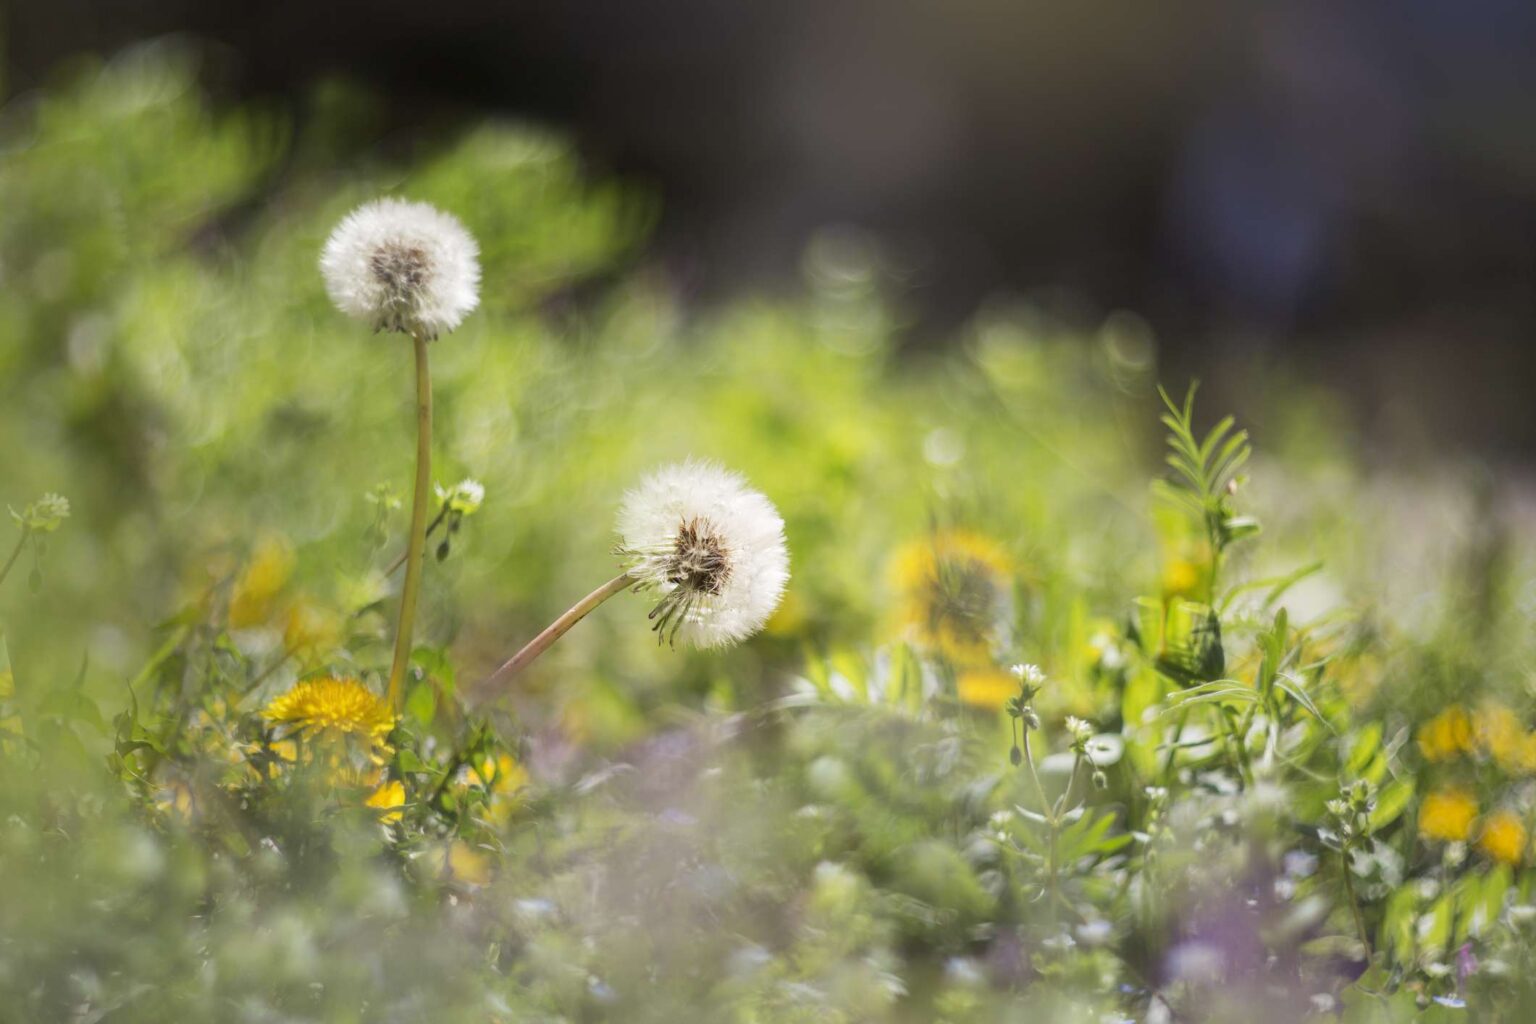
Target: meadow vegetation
{"points": [[1080, 703]]}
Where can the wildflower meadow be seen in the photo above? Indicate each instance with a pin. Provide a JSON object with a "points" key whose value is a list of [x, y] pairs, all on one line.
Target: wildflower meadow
{"points": [[412, 609]]}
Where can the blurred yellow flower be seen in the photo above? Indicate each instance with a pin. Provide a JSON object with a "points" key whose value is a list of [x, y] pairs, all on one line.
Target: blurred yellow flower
{"points": [[987, 688], [1503, 837], [389, 798], [955, 593], [310, 629], [1448, 814], [176, 798], [7, 683], [500, 774], [1501, 735], [1182, 578], [334, 708], [462, 863], [1446, 735], [252, 601]]}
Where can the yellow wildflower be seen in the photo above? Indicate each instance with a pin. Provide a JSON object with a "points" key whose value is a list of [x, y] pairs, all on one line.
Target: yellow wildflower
{"points": [[1503, 837], [1447, 734], [388, 798], [1501, 735], [956, 591], [333, 708], [255, 593], [987, 688], [310, 628], [467, 864], [1448, 814], [459, 862]]}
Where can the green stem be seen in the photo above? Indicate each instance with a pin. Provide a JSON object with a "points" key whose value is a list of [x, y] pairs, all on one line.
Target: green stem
{"points": [[418, 536], [21, 542], [1354, 903], [432, 526], [1045, 803], [555, 630], [1173, 747]]}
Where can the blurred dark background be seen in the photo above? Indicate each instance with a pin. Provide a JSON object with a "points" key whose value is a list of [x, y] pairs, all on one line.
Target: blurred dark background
{"points": [[1344, 193]]}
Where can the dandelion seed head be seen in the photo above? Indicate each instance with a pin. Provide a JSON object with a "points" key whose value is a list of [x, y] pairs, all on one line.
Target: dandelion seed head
{"points": [[712, 547], [402, 266]]}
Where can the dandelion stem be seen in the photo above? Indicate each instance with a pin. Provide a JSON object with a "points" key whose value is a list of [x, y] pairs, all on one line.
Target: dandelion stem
{"points": [[418, 536], [21, 542], [555, 630]]}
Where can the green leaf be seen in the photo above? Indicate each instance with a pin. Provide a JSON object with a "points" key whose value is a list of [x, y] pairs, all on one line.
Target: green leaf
{"points": [[1390, 803], [421, 703]]}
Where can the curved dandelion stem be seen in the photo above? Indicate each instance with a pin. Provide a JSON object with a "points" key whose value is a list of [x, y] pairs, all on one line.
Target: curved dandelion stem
{"points": [[418, 536], [555, 630], [21, 542]]}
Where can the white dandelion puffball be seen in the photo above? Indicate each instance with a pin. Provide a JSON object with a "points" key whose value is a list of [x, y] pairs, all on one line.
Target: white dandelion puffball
{"points": [[402, 266], [712, 547]]}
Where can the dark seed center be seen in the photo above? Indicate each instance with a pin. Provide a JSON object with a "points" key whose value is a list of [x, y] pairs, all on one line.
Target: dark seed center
{"points": [[700, 562], [400, 268]]}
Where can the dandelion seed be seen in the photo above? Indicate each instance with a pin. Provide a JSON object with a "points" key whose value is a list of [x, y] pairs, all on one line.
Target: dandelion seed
{"points": [[710, 546], [402, 266]]}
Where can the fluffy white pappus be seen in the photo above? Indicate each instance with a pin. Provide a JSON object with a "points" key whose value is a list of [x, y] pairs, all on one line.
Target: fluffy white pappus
{"points": [[711, 546], [402, 266]]}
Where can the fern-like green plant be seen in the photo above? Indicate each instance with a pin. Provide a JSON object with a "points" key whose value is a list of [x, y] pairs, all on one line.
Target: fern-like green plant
{"points": [[1207, 473]]}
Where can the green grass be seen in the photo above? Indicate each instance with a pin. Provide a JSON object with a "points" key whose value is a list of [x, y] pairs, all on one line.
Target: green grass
{"points": [[1280, 655]]}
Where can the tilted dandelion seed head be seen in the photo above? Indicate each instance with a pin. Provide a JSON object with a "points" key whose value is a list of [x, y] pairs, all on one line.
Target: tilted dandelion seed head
{"points": [[711, 546], [333, 707], [402, 266]]}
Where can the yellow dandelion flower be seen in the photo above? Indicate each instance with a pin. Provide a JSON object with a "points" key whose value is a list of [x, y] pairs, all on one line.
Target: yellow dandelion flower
{"points": [[1448, 815], [1503, 837], [1446, 735], [333, 708], [987, 688], [956, 594], [388, 798], [255, 593]]}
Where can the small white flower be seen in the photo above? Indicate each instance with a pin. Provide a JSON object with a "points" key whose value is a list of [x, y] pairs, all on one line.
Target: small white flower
{"points": [[1030, 674], [464, 497], [711, 546], [44, 515], [402, 266]]}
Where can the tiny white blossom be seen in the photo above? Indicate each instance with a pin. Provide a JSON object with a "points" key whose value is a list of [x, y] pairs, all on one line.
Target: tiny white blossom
{"points": [[464, 497], [1079, 730], [402, 266], [44, 515], [712, 547], [1030, 674]]}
